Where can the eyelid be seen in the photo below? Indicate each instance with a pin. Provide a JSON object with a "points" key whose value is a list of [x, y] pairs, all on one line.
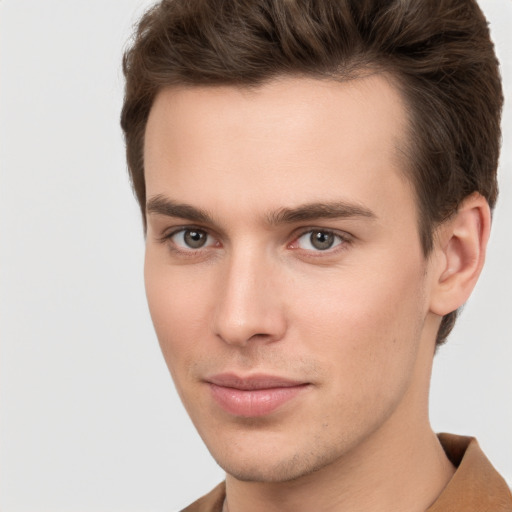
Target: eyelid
{"points": [[166, 238], [168, 232], [344, 237]]}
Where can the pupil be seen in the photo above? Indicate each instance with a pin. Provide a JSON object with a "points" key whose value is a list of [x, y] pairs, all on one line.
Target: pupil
{"points": [[321, 240], [195, 239]]}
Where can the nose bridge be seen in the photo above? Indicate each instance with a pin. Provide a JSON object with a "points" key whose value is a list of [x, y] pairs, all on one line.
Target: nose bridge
{"points": [[249, 304]]}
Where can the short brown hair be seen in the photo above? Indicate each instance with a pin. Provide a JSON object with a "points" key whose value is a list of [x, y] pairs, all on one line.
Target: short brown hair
{"points": [[439, 52]]}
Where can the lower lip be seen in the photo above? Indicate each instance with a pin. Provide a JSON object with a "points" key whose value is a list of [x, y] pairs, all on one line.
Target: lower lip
{"points": [[255, 402]]}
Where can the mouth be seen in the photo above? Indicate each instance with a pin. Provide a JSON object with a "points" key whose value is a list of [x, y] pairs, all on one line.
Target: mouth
{"points": [[253, 396]]}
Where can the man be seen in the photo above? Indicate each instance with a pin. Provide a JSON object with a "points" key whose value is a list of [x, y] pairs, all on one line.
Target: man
{"points": [[316, 180]]}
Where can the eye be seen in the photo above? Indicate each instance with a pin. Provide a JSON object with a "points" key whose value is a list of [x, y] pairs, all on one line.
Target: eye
{"points": [[318, 240], [191, 239]]}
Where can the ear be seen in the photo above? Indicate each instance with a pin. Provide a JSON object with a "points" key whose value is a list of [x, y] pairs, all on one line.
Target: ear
{"points": [[460, 245]]}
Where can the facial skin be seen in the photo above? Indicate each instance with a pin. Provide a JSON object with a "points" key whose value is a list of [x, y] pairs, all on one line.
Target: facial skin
{"points": [[353, 323]]}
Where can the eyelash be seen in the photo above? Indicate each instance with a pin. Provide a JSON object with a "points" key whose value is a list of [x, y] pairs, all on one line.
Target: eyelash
{"points": [[344, 239], [191, 252]]}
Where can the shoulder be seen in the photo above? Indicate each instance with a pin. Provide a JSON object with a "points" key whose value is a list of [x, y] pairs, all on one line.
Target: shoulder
{"points": [[211, 502]]}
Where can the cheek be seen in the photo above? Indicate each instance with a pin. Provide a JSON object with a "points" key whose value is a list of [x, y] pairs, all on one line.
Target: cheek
{"points": [[178, 303], [375, 294], [366, 337], [367, 323]]}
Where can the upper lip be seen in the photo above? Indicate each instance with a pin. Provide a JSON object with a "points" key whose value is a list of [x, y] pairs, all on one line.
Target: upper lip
{"points": [[252, 382]]}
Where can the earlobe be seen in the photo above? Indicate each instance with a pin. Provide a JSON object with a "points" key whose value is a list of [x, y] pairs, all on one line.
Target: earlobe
{"points": [[460, 244]]}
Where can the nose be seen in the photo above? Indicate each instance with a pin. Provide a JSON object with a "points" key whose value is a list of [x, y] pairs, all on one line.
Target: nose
{"points": [[249, 305]]}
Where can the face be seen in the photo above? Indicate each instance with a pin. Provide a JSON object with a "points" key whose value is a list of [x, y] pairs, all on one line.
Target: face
{"points": [[284, 270]]}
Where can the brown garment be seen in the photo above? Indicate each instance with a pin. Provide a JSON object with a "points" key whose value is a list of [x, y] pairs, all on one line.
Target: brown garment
{"points": [[475, 487]]}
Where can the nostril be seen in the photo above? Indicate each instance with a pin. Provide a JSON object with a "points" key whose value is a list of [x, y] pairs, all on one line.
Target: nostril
{"points": [[264, 329]]}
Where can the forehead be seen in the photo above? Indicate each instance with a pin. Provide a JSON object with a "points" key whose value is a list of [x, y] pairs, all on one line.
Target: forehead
{"points": [[313, 139]]}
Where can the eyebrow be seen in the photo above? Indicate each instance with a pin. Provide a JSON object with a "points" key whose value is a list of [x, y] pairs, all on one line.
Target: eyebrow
{"points": [[306, 212], [317, 211], [163, 206]]}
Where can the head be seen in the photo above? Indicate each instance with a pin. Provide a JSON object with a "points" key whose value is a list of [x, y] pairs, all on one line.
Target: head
{"points": [[315, 180], [439, 55]]}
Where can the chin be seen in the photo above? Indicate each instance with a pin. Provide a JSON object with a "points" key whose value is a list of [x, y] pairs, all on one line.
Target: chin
{"points": [[272, 469]]}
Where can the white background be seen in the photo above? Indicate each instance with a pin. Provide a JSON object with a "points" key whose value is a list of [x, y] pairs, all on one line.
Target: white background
{"points": [[89, 417]]}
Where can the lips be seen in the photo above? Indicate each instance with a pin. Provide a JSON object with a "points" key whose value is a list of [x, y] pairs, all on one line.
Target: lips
{"points": [[253, 396]]}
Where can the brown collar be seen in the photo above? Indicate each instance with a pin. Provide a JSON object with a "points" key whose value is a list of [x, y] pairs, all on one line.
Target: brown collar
{"points": [[476, 485]]}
